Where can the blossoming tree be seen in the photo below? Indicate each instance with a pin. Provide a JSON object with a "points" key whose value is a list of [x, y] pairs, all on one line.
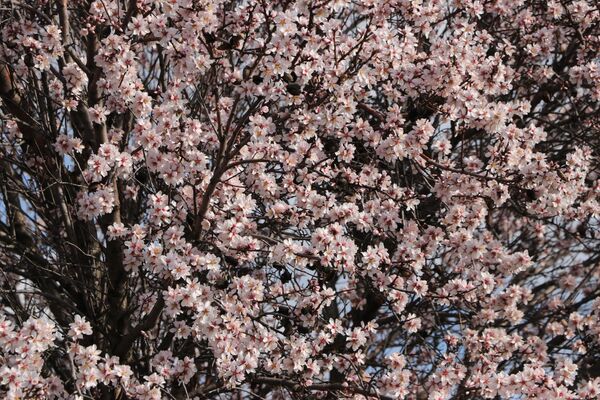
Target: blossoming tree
{"points": [[299, 199]]}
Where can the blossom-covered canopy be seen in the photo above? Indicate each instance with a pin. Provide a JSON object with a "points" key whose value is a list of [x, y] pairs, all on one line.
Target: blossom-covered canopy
{"points": [[299, 199]]}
